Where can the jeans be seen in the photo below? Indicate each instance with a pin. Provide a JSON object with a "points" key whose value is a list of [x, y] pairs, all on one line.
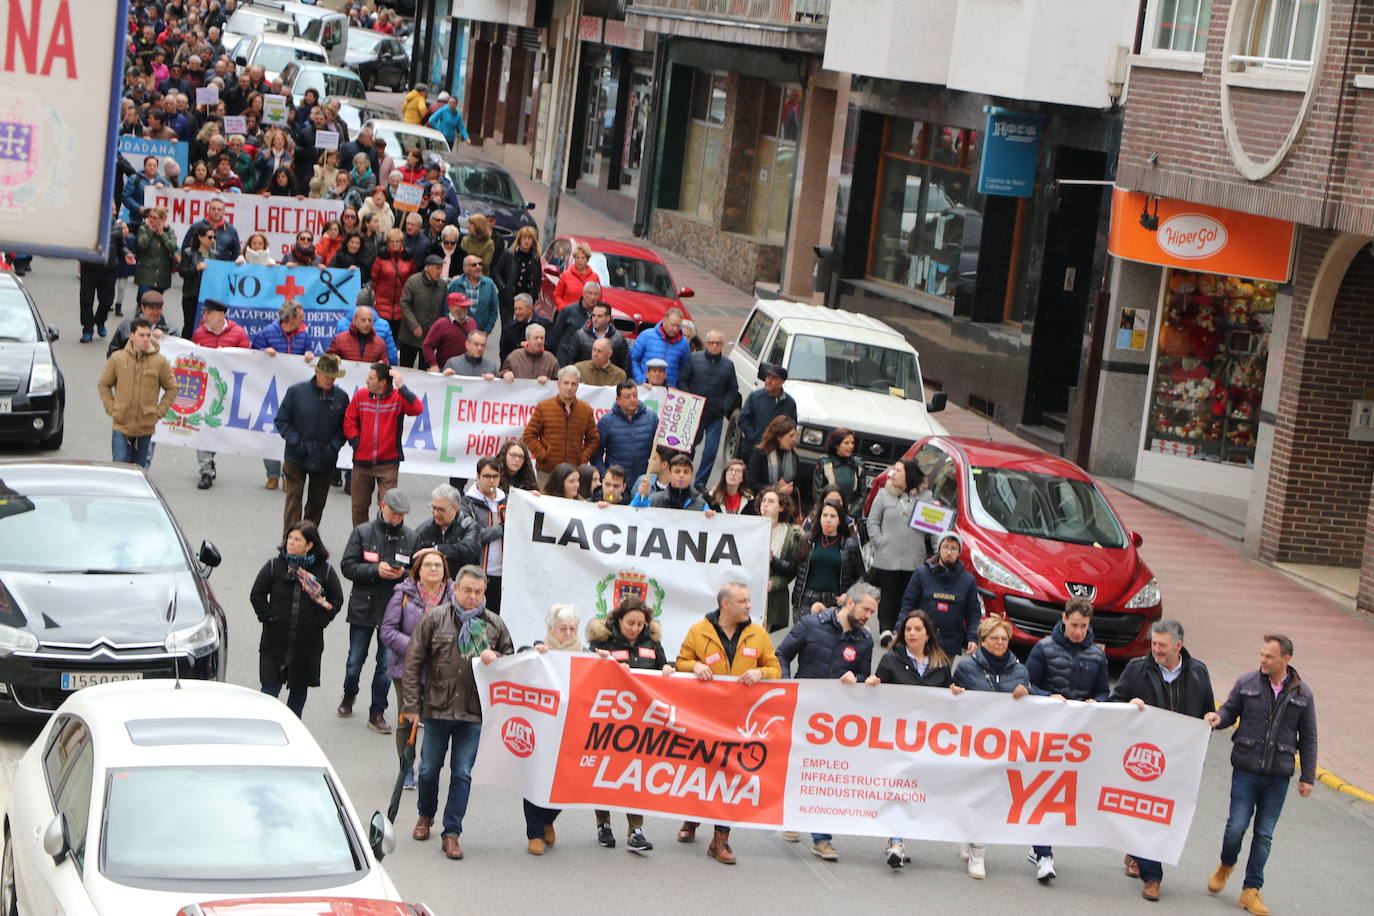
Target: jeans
{"points": [[821, 837], [537, 818], [359, 637], [1260, 794], [132, 449], [439, 736], [295, 697], [273, 468], [1150, 870], [708, 437]]}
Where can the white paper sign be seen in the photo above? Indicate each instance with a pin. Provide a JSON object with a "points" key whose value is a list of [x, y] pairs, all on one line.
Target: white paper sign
{"points": [[235, 124], [326, 139], [207, 95], [274, 109]]}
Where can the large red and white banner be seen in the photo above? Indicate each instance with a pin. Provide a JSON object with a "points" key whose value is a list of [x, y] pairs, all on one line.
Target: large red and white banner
{"points": [[578, 731], [278, 218]]}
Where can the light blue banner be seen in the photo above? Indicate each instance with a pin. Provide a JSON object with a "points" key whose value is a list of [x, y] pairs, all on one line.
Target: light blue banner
{"points": [[255, 292]]}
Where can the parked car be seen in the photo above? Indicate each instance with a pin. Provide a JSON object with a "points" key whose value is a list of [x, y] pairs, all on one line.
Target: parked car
{"points": [[844, 370], [335, 83], [485, 187], [273, 51], [1038, 531], [401, 137], [145, 797], [304, 906], [250, 20], [378, 59], [97, 583], [634, 281], [317, 22], [33, 392]]}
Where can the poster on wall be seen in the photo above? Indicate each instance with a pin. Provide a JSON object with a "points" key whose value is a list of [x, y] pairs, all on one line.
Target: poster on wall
{"points": [[1132, 330]]}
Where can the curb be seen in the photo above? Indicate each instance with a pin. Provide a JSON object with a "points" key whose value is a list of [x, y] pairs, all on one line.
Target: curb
{"points": [[1329, 778]]}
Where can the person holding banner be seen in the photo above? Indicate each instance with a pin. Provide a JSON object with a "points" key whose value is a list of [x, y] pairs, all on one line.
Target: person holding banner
{"points": [[372, 425], [564, 482], [629, 636], [678, 494], [560, 635], [562, 428], [726, 642], [360, 341], [216, 331]]}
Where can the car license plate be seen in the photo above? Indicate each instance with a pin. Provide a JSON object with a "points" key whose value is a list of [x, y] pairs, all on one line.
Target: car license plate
{"points": [[6, 405], [75, 680]]}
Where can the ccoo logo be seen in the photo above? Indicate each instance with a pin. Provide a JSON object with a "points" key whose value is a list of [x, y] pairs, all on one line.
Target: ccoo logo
{"points": [[518, 736], [1143, 762]]}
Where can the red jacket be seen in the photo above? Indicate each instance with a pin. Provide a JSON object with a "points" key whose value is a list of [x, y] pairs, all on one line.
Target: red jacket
{"points": [[347, 345], [445, 340], [372, 424], [231, 336], [389, 275]]}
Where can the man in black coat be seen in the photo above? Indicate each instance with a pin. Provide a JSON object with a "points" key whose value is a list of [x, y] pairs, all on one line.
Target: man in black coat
{"points": [[451, 529], [513, 331], [600, 326], [310, 419], [572, 316], [1168, 678], [708, 374], [762, 406], [376, 558]]}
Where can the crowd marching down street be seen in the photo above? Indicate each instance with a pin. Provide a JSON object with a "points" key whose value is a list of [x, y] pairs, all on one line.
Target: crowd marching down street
{"points": [[853, 594]]}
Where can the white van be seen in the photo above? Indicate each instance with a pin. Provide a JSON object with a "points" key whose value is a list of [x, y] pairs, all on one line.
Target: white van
{"points": [[317, 23]]}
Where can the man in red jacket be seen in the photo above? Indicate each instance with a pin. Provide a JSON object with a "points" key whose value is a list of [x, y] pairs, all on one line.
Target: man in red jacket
{"points": [[216, 331], [359, 341], [448, 338], [372, 425]]}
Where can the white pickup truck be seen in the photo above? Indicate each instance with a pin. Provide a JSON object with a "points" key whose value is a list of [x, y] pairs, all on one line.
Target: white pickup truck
{"points": [[844, 369]]}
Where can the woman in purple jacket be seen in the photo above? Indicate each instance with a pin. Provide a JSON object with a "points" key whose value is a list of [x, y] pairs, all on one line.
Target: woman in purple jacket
{"points": [[427, 586]]}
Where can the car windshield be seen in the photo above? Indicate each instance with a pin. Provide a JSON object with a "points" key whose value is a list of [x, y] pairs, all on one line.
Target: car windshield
{"points": [[70, 533], [486, 184], [16, 318], [362, 40], [634, 274], [855, 365], [229, 823], [245, 23], [1043, 506], [276, 57], [329, 85], [405, 142]]}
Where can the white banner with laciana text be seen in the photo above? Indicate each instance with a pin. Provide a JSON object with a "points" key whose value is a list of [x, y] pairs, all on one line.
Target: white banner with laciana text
{"points": [[227, 399], [560, 551], [574, 730]]}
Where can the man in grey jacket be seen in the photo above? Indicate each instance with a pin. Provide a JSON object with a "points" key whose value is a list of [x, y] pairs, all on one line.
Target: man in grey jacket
{"points": [[1278, 715]]}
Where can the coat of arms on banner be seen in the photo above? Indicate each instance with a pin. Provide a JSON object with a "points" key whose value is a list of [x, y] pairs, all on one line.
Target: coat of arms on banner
{"points": [[628, 584], [194, 380]]}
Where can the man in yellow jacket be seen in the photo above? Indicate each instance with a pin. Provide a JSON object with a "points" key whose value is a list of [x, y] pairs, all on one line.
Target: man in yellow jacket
{"points": [[415, 105], [726, 642], [129, 389]]}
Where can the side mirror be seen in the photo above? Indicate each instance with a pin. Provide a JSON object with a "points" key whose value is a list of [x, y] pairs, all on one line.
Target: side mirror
{"points": [[55, 838], [209, 554], [529, 205], [52, 332], [381, 836], [937, 402], [686, 293], [552, 270], [1137, 539], [241, 61]]}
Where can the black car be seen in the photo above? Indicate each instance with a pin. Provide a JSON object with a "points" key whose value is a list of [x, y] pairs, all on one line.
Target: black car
{"points": [[32, 390], [97, 584], [485, 187], [379, 59]]}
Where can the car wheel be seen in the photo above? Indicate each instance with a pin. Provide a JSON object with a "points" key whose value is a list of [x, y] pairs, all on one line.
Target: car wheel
{"points": [[9, 892], [732, 441]]}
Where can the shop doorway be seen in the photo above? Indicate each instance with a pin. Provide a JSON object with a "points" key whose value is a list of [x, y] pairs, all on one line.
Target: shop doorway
{"points": [[1065, 289]]}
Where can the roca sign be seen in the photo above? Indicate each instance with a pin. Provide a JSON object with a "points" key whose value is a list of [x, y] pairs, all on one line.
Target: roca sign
{"points": [[1191, 236]]}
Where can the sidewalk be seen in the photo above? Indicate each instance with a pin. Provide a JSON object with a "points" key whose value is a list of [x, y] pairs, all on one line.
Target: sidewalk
{"points": [[1225, 601]]}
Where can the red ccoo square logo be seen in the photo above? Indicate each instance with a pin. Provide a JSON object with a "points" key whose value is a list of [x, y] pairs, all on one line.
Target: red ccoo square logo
{"points": [[1136, 804]]}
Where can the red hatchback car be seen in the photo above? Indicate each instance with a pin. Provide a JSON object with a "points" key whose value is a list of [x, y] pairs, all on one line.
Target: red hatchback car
{"points": [[634, 281], [1037, 531]]}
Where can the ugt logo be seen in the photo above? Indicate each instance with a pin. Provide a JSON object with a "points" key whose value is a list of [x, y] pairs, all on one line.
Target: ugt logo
{"points": [[1143, 762]]}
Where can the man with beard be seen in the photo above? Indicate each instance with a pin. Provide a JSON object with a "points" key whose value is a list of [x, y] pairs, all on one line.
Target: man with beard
{"points": [[945, 590]]}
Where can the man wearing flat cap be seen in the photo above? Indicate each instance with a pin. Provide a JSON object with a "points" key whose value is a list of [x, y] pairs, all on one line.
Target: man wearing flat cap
{"points": [[763, 405], [423, 302], [311, 419]]}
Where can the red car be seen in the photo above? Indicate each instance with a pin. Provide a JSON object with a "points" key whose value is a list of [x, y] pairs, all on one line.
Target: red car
{"points": [[1037, 531], [304, 906], [634, 280]]}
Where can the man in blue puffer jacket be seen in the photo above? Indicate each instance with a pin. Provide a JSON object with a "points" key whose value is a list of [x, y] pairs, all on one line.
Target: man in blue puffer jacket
{"points": [[627, 433], [945, 590], [665, 341], [1067, 665]]}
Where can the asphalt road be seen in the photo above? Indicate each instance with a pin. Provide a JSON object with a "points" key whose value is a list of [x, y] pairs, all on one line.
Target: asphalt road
{"points": [[1321, 841]]}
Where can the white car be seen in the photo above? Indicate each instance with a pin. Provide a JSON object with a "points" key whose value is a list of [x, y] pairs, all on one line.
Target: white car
{"points": [[402, 136], [142, 797], [843, 370], [273, 52]]}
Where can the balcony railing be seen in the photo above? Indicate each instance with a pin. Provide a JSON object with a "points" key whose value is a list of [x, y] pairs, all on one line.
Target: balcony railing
{"points": [[773, 12]]}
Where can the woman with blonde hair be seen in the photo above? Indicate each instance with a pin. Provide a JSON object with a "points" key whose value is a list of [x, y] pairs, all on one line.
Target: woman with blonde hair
{"points": [[479, 242], [518, 270], [571, 281], [390, 271]]}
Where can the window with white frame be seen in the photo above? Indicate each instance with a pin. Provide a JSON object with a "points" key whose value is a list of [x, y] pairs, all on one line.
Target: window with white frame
{"points": [[1281, 34], [1181, 25]]}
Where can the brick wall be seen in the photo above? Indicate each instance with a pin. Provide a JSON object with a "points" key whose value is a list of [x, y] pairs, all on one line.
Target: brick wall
{"points": [[1319, 489]]}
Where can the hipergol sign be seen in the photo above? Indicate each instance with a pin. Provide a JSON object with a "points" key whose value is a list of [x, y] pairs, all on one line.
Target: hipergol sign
{"points": [[1191, 235]]}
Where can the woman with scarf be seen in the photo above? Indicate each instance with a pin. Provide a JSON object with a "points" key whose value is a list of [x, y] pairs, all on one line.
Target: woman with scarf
{"points": [[303, 253], [295, 596], [773, 462], [363, 179], [518, 270], [784, 547], [256, 251], [427, 586], [376, 205], [192, 269], [560, 636], [839, 467]]}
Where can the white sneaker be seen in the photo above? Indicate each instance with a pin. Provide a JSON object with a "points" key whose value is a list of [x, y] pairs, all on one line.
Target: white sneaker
{"points": [[1044, 867], [975, 864], [896, 857], [963, 851]]}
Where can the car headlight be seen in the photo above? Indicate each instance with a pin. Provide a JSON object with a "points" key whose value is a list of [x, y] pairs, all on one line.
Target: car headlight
{"points": [[1148, 596], [812, 436], [998, 574], [201, 639], [16, 639], [43, 378]]}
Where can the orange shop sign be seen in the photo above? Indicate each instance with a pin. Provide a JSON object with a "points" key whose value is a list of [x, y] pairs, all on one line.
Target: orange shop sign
{"points": [[1177, 233]]}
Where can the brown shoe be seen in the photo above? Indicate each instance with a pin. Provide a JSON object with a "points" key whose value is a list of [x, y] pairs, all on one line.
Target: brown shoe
{"points": [[1132, 867], [1251, 900], [346, 705], [451, 847], [1150, 891], [720, 848], [687, 833], [271, 483], [1217, 882], [377, 722], [535, 847], [421, 831], [549, 835]]}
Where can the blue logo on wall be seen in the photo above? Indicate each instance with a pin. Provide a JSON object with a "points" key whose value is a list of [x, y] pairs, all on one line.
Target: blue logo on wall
{"points": [[1011, 152]]}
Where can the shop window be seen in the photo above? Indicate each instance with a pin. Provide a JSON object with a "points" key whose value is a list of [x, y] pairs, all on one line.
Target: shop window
{"points": [[1181, 25], [636, 128], [1281, 35], [776, 165], [928, 223], [701, 157], [1209, 367]]}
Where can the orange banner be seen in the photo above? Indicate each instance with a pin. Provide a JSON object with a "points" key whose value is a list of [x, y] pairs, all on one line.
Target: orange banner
{"points": [[1177, 233]]}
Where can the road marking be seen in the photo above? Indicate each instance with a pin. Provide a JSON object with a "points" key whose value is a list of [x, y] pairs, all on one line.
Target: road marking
{"points": [[825, 875]]}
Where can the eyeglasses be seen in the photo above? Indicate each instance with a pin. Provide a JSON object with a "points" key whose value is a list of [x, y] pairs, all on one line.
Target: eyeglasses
{"points": [[489, 476], [305, 238]]}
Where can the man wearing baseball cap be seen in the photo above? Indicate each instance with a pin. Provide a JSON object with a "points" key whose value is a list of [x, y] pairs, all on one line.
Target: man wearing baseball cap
{"points": [[310, 419], [448, 337]]}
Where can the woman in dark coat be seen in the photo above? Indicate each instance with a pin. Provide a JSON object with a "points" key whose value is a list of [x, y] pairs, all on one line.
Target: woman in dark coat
{"points": [[296, 595], [518, 270], [831, 562]]}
